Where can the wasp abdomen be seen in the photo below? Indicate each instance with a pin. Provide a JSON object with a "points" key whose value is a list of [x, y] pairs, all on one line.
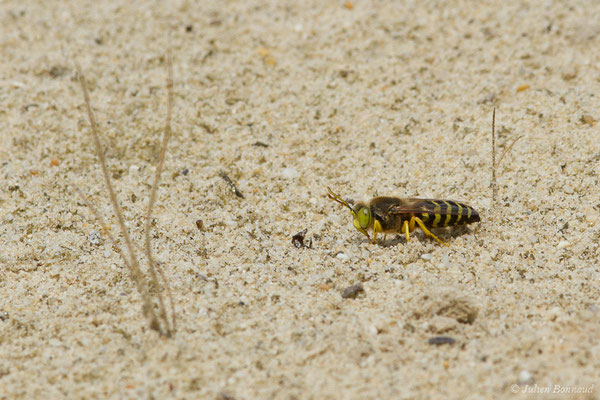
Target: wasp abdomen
{"points": [[448, 213]]}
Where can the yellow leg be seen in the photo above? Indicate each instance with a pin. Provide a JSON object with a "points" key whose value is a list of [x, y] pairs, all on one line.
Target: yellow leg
{"points": [[405, 229], [427, 231], [376, 229]]}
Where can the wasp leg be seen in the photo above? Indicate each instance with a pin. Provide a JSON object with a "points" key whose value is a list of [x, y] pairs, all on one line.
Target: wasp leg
{"points": [[377, 229], [427, 231], [405, 229], [364, 232]]}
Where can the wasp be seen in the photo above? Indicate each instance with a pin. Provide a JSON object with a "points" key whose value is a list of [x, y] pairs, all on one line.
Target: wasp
{"points": [[403, 215]]}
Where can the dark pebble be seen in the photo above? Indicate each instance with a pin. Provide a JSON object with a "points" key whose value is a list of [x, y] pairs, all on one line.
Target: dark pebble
{"points": [[352, 291], [439, 340]]}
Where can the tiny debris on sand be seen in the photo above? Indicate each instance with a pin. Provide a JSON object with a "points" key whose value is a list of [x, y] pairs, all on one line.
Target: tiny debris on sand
{"points": [[351, 292]]}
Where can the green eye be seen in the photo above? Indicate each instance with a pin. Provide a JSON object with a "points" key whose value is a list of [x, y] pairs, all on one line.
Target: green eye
{"points": [[364, 217]]}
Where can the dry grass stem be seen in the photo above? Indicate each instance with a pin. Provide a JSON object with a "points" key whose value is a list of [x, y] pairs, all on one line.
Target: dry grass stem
{"points": [[509, 148], [495, 164], [494, 189], [160, 321], [152, 265]]}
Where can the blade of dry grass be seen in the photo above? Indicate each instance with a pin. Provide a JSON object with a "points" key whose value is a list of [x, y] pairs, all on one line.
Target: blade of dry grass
{"points": [[158, 322], [495, 164], [506, 150], [494, 189], [152, 265]]}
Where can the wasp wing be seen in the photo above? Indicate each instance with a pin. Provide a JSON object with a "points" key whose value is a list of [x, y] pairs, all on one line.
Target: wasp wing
{"points": [[428, 206]]}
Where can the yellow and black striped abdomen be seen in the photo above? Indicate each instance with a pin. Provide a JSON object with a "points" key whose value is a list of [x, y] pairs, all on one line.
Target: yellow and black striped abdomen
{"points": [[441, 213]]}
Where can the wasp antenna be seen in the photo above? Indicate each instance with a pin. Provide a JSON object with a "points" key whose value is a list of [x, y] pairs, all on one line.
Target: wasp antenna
{"points": [[338, 199]]}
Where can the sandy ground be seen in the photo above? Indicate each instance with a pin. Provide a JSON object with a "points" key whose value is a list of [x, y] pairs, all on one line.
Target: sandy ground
{"points": [[369, 98]]}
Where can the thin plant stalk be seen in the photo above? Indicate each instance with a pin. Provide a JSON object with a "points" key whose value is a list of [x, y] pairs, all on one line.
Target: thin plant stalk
{"points": [[494, 189], [152, 265], [159, 322]]}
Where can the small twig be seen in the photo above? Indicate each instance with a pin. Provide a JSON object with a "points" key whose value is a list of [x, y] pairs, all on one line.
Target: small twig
{"points": [[232, 185]]}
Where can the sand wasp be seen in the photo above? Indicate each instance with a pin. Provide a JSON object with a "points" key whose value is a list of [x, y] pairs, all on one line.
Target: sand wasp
{"points": [[398, 215]]}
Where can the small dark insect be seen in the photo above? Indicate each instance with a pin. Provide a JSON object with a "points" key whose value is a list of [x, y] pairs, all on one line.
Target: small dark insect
{"points": [[260, 144], [398, 215], [298, 240], [439, 340], [227, 179], [352, 291], [199, 224]]}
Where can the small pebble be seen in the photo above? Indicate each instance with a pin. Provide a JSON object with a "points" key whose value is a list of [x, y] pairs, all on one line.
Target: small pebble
{"points": [[426, 256], [352, 291], [94, 238], [342, 256], [554, 313], [289, 173], [230, 222], [588, 119], [9, 217], [568, 75], [134, 169], [533, 239], [494, 254], [563, 244], [106, 253], [525, 377], [262, 51], [439, 340], [568, 189]]}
